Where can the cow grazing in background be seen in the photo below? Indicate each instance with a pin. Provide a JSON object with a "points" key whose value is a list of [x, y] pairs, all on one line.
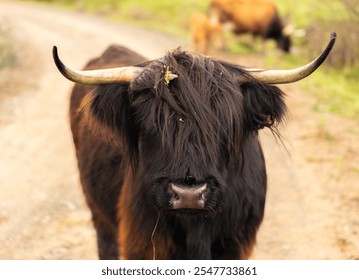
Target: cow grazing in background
{"points": [[205, 33], [256, 17], [168, 151]]}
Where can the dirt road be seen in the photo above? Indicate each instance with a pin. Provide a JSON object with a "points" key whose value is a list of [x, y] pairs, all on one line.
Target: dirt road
{"points": [[313, 197]]}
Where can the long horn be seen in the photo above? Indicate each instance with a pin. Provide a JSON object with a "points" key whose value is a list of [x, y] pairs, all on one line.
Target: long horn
{"points": [[289, 76], [96, 77]]}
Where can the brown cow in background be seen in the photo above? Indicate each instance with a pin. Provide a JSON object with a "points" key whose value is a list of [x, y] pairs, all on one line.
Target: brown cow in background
{"points": [[205, 33], [256, 17]]}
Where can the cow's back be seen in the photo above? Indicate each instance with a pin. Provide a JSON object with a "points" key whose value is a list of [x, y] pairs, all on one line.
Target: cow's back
{"points": [[253, 16]]}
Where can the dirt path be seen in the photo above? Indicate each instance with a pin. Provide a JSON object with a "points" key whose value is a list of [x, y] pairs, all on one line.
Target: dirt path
{"points": [[313, 197]]}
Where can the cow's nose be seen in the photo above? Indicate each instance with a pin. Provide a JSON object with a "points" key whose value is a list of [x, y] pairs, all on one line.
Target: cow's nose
{"points": [[185, 197]]}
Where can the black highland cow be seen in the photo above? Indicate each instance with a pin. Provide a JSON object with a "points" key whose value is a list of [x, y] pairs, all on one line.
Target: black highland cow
{"points": [[168, 151]]}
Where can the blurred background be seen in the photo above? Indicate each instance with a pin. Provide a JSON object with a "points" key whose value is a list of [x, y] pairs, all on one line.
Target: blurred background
{"points": [[307, 20], [313, 197]]}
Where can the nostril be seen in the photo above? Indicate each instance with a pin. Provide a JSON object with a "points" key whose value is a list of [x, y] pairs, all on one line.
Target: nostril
{"points": [[201, 192], [173, 192], [175, 196]]}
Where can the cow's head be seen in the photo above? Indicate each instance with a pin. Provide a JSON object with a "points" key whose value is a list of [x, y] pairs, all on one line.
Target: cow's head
{"points": [[182, 121]]}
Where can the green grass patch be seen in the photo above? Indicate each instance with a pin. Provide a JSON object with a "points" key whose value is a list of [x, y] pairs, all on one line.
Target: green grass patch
{"points": [[336, 90], [7, 53], [306, 12], [168, 16]]}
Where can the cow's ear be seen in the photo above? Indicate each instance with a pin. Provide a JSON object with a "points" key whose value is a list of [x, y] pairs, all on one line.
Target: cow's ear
{"points": [[105, 110], [264, 106]]}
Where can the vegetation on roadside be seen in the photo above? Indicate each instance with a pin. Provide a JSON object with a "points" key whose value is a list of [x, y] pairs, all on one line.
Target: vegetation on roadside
{"points": [[336, 86], [7, 53]]}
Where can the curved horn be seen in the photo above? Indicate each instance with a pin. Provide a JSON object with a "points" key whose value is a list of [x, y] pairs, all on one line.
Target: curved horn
{"points": [[289, 76], [96, 77]]}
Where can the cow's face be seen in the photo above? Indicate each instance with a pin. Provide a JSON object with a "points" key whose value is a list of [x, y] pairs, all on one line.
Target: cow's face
{"points": [[183, 166], [184, 137], [284, 43], [188, 131]]}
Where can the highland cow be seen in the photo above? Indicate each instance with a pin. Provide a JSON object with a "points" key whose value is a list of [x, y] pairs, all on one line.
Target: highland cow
{"points": [[168, 151]]}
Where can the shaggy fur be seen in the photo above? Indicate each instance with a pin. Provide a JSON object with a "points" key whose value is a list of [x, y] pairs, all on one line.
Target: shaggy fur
{"points": [[133, 140]]}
